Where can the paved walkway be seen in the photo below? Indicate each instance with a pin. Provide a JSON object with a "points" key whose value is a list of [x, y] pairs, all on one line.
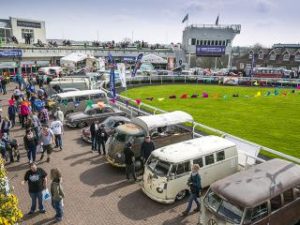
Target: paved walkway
{"points": [[96, 193]]}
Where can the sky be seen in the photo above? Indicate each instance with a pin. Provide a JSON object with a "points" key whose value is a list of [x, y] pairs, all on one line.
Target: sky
{"points": [[159, 21]]}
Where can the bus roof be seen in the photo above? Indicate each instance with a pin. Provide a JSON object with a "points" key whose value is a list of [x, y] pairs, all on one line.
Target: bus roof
{"points": [[254, 186], [151, 122], [79, 93], [190, 149]]}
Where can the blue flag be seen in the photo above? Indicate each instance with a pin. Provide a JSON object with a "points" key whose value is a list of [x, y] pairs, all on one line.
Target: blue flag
{"points": [[112, 76], [137, 64]]}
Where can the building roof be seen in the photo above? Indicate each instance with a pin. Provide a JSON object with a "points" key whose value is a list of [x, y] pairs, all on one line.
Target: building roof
{"points": [[190, 149], [252, 187]]}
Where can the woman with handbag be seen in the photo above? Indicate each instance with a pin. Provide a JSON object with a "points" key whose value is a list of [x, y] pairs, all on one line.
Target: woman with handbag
{"points": [[194, 183]]}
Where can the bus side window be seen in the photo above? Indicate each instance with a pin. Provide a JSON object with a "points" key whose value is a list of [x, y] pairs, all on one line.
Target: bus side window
{"points": [[259, 212], [198, 161], [276, 203], [220, 156], [183, 168], [209, 159], [297, 191], [288, 196]]}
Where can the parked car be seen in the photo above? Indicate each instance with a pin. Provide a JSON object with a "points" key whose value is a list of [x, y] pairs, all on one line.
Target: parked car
{"points": [[110, 125], [90, 114]]}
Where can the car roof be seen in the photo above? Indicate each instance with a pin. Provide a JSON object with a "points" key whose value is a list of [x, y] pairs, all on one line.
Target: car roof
{"points": [[254, 186], [79, 93], [191, 149]]}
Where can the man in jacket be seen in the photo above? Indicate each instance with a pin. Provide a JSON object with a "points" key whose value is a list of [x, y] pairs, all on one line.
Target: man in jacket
{"points": [[129, 161], [194, 183], [11, 111], [146, 148], [101, 138], [93, 129], [37, 182]]}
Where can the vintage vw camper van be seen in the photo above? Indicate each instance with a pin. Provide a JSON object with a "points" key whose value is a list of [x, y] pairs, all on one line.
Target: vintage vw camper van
{"points": [[168, 168], [265, 194], [163, 128], [75, 101]]}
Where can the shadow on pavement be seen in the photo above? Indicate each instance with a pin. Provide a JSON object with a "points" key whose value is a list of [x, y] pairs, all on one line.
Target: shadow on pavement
{"points": [[76, 155], [148, 208], [110, 188], [47, 221], [102, 174], [178, 220]]}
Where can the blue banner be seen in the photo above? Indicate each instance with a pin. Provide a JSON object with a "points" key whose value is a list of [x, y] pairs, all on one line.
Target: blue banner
{"points": [[210, 50], [137, 64], [10, 53], [112, 76]]}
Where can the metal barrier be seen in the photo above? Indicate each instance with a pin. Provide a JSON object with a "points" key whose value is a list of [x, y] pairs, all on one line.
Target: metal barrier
{"points": [[126, 104]]}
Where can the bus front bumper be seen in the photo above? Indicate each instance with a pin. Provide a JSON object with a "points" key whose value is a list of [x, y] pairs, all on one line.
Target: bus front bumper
{"points": [[154, 198]]}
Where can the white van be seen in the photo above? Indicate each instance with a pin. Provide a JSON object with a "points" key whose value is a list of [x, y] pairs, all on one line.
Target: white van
{"points": [[75, 101], [167, 170]]}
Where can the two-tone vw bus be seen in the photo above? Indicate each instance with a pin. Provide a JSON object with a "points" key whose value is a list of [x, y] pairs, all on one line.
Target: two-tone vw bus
{"points": [[265, 194], [164, 129], [167, 170]]}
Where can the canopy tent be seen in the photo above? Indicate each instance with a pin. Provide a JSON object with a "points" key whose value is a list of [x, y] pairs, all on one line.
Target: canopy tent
{"points": [[73, 58], [77, 61], [154, 59], [161, 120]]}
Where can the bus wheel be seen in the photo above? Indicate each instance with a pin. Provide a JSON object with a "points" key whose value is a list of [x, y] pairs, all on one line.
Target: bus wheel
{"points": [[181, 195]]}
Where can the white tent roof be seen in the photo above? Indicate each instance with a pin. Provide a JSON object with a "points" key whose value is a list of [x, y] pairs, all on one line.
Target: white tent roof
{"points": [[161, 120], [152, 58], [75, 57]]}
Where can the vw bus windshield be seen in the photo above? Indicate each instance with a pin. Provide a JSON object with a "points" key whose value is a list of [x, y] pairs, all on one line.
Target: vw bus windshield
{"points": [[230, 212], [121, 137], [158, 167]]}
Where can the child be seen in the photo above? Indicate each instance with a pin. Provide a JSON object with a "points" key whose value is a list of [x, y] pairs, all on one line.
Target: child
{"points": [[57, 194]]}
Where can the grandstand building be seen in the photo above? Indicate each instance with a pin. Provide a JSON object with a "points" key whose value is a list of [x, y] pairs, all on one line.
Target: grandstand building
{"points": [[208, 40], [21, 29]]}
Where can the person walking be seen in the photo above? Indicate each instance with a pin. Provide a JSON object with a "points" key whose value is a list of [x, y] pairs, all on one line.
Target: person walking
{"points": [[101, 138], [57, 128], [43, 116], [25, 111], [5, 126], [36, 124], [93, 129], [59, 114], [57, 194], [129, 161], [37, 182], [3, 84], [194, 183], [11, 111], [47, 138], [146, 148], [30, 144]]}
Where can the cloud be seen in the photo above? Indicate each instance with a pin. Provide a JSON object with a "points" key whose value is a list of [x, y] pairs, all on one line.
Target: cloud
{"points": [[264, 6], [194, 5]]}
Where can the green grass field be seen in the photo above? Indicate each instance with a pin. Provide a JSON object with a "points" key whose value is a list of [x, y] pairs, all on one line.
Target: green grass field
{"points": [[272, 121]]}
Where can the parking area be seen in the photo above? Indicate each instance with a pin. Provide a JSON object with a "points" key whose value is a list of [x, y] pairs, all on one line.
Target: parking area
{"points": [[96, 192]]}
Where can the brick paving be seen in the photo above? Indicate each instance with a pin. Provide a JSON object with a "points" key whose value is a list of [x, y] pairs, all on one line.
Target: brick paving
{"points": [[96, 193]]}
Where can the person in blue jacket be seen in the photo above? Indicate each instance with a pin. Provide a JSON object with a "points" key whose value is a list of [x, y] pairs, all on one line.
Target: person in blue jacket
{"points": [[194, 183]]}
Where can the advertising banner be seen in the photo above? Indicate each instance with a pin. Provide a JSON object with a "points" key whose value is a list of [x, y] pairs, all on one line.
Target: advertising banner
{"points": [[137, 64], [171, 63], [210, 50], [10, 53], [122, 73]]}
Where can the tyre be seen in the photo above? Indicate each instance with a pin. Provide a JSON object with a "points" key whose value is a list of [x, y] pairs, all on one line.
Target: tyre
{"points": [[82, 125], [181, 195]]}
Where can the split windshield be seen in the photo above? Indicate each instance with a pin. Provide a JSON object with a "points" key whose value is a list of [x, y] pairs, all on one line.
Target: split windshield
{"points": [[158, 167], [230, 212]]}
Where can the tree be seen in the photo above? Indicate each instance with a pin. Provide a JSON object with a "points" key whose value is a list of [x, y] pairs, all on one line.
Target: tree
{"points": [[10, 213]]}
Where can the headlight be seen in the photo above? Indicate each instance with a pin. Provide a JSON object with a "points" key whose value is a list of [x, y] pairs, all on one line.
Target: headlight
{"points": [[119, 155], [159, 190]]}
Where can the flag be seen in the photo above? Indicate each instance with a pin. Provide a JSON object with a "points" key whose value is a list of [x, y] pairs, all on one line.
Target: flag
{"points": [[122, 73], [185, 18], [137, 64], [217, 21], [112, 76]]}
